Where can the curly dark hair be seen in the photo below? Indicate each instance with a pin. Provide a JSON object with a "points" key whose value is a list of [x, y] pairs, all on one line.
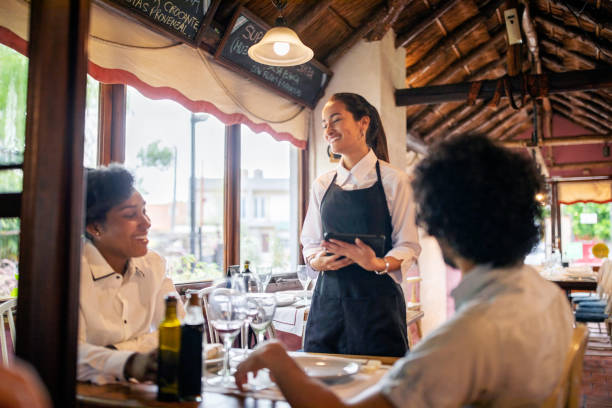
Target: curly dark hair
{"points": [[360, 107], [106, 188], [479, 198]]}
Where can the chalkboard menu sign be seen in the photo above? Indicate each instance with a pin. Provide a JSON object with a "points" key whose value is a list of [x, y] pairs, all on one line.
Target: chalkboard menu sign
{"points": [[183, 19], [304, 84]]}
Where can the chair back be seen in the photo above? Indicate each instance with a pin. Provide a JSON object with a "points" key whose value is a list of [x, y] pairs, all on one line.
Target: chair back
{"points": [[568, 391], [6, 309], [412, 286]]}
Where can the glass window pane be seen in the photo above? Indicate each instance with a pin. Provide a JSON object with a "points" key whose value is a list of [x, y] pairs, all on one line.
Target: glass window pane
{"points": [[9, 256], [268, 225], [90, 156], [13, 98], [158, 146], [582, 226]]}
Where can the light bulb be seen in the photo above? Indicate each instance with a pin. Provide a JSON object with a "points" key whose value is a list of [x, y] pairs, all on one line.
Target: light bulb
{"points": [[280, 48]]}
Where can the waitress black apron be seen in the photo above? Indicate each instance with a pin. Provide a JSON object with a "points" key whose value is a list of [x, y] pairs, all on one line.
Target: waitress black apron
{"points": [[354, 311]]}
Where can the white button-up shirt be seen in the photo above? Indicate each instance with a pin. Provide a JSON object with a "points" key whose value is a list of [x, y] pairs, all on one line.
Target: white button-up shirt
{"points": [[505, 346], [398, 192], [122, 311]]}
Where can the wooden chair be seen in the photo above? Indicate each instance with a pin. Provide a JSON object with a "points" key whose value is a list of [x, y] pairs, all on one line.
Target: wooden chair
{"points": [[568, 391], [413, 307], [6, 309]]}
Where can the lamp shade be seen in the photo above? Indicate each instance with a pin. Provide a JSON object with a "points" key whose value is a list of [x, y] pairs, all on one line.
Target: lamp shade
{"points": [[282, 47]]}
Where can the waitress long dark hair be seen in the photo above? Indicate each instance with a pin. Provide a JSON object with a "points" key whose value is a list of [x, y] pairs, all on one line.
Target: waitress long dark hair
{"points": [[358, 305]]}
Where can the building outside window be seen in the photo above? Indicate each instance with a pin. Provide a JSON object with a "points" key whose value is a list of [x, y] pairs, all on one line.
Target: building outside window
{"points": [[158, 152], [582, 226], [269, 187]]}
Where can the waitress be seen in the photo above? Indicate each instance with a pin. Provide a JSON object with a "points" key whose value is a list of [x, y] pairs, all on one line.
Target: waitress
{"points": [[358, 305]]}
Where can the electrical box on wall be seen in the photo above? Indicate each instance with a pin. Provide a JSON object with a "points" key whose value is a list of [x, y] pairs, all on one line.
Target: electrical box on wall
{"points": [[512, 26]]}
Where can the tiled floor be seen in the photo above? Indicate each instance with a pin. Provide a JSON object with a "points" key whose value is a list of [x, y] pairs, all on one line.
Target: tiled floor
{"points": [[597, 381]]}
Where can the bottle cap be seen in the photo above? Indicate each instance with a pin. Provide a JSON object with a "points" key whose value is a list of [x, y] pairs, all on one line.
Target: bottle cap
{"points": [[171, 298]]}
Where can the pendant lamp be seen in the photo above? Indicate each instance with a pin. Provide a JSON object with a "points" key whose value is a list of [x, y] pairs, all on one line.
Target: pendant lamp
{"points": [[280, 46]]}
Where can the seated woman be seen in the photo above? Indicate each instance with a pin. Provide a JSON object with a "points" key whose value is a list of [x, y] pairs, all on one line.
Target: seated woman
{"points": [[123, 285]]}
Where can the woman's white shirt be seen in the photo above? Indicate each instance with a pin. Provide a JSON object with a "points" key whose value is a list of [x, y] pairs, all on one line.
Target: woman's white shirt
{"points": [[119, 310], [398, 193]]}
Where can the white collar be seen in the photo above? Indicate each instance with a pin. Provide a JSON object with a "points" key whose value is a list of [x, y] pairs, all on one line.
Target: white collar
{"points": [[100, 269], [359, 170]]}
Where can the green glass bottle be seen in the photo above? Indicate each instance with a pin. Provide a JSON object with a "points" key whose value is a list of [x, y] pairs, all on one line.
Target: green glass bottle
{"points": [[168, 357]]}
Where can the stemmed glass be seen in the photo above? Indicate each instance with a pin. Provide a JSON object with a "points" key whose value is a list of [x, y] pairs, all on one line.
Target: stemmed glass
{"points": [[264, 305], [305, 278], [226, 315], [264, 274]]}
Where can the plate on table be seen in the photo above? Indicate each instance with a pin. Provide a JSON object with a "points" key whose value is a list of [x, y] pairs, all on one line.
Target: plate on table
{"points": [[284, 299], [326, 367]]}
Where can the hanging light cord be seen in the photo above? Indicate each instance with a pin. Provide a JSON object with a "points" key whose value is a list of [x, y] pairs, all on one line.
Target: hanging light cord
{"points": [[237, 101]]}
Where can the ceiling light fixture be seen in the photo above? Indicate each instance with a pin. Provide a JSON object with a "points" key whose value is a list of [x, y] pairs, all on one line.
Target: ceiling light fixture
{"points": [[280, 46]]}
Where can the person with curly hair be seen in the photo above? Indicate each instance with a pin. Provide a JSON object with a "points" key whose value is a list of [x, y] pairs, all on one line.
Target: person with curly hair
{"points": [[123, 284], [358, 299], [505, 346]]}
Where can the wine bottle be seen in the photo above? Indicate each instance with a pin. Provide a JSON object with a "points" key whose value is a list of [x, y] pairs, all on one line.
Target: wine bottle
{"points": [[168, 353], [190, 360]]}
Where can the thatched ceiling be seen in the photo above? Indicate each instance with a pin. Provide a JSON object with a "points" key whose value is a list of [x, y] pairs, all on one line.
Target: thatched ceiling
{"points": [[451, 41]]}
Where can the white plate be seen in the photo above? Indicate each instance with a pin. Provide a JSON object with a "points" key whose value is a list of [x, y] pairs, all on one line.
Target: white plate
{"points": [[284, 300], [327, 368]]}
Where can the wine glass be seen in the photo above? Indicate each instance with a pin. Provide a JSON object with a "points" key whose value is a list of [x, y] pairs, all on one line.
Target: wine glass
{"points": [[264, 274], [245, 283], [264, 305], [304, 277], [227, 317]]}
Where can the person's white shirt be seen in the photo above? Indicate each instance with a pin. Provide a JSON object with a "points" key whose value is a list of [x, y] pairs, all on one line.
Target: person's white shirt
{"points": [[505, 346], [120, 311], [398, 193]]}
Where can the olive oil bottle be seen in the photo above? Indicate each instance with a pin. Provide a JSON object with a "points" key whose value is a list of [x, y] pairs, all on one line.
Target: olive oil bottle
{"points": [[168, 357]]}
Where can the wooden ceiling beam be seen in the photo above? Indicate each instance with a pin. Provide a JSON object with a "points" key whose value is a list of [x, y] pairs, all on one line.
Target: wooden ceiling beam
{"points": [[448, 118], [471, 110], [573, 107], [582, 165], [563, 141], [567, 113], [357, 35], [403, 39], [503, 113], [509, 123], [559, 50], [311, 15], [469, 58], [595, 101], [584, 14], [538, 157], [589, 107], [516, 129], [395, 9], [455, 36], [555, 82], [415, 144], [583, 36]]}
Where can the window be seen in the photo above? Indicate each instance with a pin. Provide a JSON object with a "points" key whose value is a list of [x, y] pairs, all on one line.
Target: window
{"points": [[582, 226], [158, 146], [90, 148], [269, 185]]}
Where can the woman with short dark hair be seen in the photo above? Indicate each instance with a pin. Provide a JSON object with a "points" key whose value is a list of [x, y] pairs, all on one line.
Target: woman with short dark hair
{"points": [[123, 284], [358, 306]]}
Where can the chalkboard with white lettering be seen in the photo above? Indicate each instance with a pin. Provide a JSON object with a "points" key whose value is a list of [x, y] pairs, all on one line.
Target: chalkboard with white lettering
{"points": [[181, 18], [304, 84]]}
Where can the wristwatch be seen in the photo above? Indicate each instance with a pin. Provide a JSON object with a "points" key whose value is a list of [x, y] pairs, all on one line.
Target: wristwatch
{"points": [[384, 270]]}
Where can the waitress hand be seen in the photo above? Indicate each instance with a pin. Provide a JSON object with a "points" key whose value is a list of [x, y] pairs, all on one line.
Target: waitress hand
{"points": [[324, 262], [360, 253]]}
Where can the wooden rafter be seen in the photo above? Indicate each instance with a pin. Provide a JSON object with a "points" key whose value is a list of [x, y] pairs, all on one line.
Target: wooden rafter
{"points": [[571, 105], [564, 141], [584, 14], [583, 165], [492, 122], [427, 110], [588, 106], [559, 50], [587, 124], [395, 9], [583, 36], [311, 15], [357, 35], [502, 129], [554, 82], [404, 38], [468, 110], [455, 36], [516, 129]]}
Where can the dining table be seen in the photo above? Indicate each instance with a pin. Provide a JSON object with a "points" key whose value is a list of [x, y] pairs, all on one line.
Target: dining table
{"points": [[144, 395]]}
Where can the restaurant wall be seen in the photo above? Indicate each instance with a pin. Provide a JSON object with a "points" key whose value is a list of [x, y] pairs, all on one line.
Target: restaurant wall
{"points": [[375, 70]]}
